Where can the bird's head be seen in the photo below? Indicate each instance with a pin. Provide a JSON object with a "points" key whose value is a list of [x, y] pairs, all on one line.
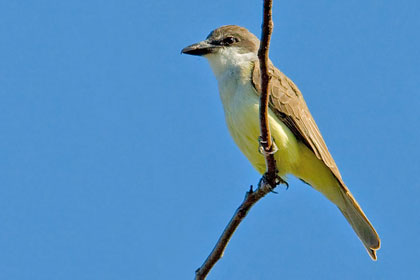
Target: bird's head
{"points": [[225, 47]]}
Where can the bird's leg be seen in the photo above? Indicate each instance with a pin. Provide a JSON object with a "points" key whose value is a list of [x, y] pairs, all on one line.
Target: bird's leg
{"points": [[265, 178], [262, 145]]}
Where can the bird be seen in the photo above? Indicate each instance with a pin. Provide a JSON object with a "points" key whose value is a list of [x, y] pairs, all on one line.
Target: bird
{"points": [[232, 52]]}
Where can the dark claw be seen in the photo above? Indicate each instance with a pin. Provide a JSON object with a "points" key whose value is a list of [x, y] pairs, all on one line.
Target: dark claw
{"points": [[279, 180], [285, 183]]}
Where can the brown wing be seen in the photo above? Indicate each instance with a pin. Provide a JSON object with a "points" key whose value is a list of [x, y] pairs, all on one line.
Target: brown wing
{"points": [[288, 104]]}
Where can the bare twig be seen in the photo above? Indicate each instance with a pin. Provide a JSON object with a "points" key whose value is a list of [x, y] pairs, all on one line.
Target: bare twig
{"points": [[269, 180], [266, 140], [251, 198]]}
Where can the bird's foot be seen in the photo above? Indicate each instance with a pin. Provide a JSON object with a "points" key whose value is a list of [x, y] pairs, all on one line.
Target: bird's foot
{"points": [[266, 182]]}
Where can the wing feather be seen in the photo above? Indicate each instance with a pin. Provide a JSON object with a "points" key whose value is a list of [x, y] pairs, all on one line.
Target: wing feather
{"points": [[287, 102]]}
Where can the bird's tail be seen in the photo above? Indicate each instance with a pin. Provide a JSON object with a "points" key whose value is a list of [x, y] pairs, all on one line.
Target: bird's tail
{"points": [[359, 222]]}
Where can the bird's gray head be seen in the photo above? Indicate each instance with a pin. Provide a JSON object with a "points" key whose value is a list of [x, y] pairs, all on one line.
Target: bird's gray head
{"points": [[228, 36], [228, 48]]}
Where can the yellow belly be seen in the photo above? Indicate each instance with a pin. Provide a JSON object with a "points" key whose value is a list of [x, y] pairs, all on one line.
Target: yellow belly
{"points": [[292, 157], [242, 118]]}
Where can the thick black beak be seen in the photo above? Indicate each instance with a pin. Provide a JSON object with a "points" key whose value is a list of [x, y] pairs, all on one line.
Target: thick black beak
{"points": [[199, 49]]}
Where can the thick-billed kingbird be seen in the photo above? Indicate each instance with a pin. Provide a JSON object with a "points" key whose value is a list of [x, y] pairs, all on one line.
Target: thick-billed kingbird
{"points": [[232, 53]]}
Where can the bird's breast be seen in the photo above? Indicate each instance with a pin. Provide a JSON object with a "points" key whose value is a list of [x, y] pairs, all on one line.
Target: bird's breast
{"points": [[241, 107]]}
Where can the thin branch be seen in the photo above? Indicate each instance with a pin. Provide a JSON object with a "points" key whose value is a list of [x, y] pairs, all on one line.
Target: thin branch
{"points": [[251, 198], [266, 140], [269, 180]]}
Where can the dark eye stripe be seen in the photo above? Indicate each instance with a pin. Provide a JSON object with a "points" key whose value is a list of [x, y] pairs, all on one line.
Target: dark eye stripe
{"points": [[226, 41]]}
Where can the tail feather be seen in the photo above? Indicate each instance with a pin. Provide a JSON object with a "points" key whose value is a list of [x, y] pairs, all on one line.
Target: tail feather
{"points": [[360, 223]]}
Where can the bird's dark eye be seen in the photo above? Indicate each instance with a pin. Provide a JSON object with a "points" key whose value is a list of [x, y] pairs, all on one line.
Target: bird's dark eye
{"points": [[229, 40]]}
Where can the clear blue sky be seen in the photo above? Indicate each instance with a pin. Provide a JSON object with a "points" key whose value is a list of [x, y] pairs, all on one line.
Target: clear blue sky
{"points": [[115, 161]]}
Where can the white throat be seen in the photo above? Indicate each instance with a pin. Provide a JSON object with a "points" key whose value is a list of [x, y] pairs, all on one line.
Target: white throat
{"points": [[233, 73], [228, 61]]}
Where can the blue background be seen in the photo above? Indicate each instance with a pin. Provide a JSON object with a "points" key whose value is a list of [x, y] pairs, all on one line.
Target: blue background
{"points": [[115, 161]]}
